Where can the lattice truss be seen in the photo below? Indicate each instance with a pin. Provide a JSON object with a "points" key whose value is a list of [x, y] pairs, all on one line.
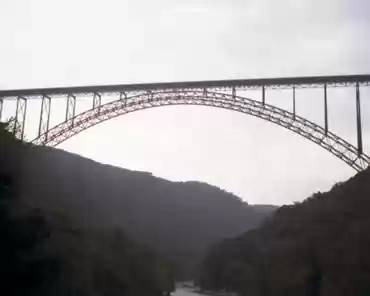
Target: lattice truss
{"points": [[17, 123], [221, 97]]}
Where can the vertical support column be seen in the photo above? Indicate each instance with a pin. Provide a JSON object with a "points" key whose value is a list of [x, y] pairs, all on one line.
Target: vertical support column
{"points": [[294, 102], [263, 95], [97, 102], [123, 98], [1, 108], [44, 118], [150, 96], [233, 92], [71, 108], [326, 109], [358, 116], [20, 118]]}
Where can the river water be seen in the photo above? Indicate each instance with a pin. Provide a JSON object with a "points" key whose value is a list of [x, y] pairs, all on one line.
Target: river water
{"points": [[183, 292]]}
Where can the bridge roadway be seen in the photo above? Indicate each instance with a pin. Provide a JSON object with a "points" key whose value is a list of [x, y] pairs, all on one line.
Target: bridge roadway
{"points": [[298, 82]]}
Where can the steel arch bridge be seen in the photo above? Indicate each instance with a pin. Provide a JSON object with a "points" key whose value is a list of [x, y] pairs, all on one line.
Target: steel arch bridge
{"points": [[220, 94]]}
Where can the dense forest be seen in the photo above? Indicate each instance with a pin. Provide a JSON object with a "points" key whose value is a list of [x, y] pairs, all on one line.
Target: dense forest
{"points": [[52, 253], [320, 246], [83, 228], [71, 226]]}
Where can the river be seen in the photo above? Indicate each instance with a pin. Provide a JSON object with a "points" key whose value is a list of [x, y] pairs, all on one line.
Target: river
{"points": [[184, 292]]}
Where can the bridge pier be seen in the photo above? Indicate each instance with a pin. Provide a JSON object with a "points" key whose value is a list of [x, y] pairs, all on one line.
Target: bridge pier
{"points": [[326, 109], [97, 101], [123, 98], [44, 117], [1, 108], [294, 102], [359, 123], [20, 117], [71, 108]]}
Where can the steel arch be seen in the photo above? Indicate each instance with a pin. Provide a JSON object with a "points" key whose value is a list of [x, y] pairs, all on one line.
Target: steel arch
{"points": [[309, 130]]}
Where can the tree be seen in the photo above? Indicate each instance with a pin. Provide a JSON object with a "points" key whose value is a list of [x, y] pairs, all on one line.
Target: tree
{"points": [[25, 267]]}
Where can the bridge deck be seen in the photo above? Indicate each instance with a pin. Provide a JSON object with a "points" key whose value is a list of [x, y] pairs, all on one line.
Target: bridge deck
{"points": [[313, 81]]}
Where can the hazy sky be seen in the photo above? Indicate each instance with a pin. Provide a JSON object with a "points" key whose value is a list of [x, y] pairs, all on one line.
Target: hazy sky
{"points": [[47, 43]]}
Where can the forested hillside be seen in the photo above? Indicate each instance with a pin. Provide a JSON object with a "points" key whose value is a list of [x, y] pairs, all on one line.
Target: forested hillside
{"points": [[45, 252], [179, 221], [318, 247]]}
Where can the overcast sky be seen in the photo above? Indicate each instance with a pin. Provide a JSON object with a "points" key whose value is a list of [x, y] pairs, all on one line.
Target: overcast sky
{"points": [[46, 43]]}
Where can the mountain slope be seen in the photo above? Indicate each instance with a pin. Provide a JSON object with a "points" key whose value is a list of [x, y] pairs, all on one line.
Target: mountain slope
{"points": [[317, 247], [49, 252], [180, 220]]}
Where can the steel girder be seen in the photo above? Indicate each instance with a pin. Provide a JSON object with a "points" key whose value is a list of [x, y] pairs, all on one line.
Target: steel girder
{"points": [[20, 117], [219, 85], [44, 118], [1, 107], [130, 102]]}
